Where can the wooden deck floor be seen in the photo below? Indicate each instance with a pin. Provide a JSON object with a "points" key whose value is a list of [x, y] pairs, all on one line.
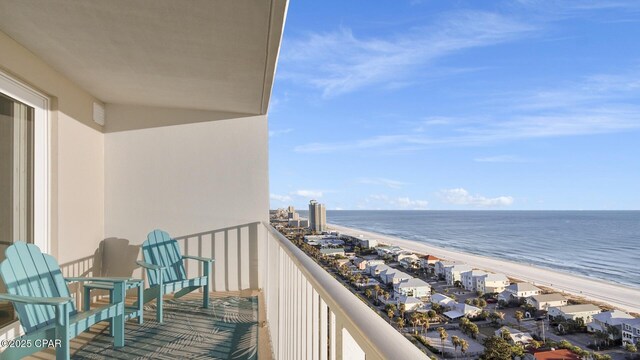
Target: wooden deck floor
{"points": [[95, 343]]}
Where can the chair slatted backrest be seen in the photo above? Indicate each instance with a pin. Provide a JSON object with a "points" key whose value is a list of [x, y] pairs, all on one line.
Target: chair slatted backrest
{"points": [[27, 271], [161, 249]]}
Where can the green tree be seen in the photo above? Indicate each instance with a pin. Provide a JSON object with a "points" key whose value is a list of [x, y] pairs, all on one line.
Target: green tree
{"points": [[400, 322], [631, 348], [496, 348], [390, 314], [519, 316], [368, 293], [455, 341], [464, 346], [443, 337], [415, 320]]}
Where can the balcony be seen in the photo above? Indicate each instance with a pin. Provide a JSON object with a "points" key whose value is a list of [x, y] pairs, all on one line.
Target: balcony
{"points": [[153, 114], [298, 311]]}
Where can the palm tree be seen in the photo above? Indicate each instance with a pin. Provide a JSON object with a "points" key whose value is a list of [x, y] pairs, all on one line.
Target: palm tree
{"points": [[425, 325], [499, 315], [519, 316], [390, 313], [456, 342], [400, 322], [368, 293], [415, 319], [443, 337], [386, 296], [403, 309], [464, 346]]}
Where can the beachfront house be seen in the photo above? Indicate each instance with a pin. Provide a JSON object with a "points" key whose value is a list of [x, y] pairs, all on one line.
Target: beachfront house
{"points": [[387, 250], [394, 276], [405, 255], [631, 331], [441, 265], [513, 336], [413, 287], [410, 303], [410, 263], [575, 312], [443, 300], [609, 322], [459, 310], [522, 290], [544, 301], [492, 283], [375, 270], [428, 261], [470, 279], [452, 274]]}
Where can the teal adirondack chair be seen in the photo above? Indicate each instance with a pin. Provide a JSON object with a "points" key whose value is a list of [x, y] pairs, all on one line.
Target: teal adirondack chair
{"points": [[166, 273], [46, 310]]}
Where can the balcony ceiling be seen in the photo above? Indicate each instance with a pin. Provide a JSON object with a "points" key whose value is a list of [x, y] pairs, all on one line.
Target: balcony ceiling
{"points": [[197, 54]]}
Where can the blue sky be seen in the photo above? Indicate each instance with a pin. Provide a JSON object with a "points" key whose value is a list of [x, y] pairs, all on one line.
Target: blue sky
{"points": [[458, 105]]}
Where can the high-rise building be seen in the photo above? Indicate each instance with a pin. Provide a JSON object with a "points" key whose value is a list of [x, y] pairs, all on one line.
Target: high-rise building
{"points": [[317, 216]]}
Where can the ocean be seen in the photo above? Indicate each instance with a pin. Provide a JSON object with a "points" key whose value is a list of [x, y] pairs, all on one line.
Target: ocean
{"points": [[597, 244]]}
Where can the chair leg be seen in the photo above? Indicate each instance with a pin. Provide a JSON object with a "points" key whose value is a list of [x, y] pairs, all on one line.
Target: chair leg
{"points": [[62, 332], [111, 332], [160, 300], [141, 303], [205, 297], [117, 324]]}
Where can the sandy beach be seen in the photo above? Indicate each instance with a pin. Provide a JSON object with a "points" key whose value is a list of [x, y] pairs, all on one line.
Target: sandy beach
{"points": [[623, 297]]}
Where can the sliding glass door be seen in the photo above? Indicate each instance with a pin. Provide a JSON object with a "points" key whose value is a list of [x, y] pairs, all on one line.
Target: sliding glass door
{"points": [[16, 171], [16, 180]]}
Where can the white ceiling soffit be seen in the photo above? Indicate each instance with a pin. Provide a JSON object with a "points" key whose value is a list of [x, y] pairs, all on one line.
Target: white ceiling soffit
{"points": [[198, 54]]}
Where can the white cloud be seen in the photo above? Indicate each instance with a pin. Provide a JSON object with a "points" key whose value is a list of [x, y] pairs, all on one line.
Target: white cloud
{"points": [[599, 104], [501, 159], [384, 201], [280, 198], [393, 184], [341, 62], [308, 193], [273, 133], [460, 196]]}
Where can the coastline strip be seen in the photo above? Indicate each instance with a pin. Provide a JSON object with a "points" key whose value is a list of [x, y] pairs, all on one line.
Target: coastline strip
{"points": [[623, 297]]}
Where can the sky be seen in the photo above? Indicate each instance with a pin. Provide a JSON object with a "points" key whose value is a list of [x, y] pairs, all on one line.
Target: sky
{"points": [[457, 105]]}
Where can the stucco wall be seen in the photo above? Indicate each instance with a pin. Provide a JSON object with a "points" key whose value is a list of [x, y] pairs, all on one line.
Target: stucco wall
{"points": [[188, 179], [77, 154]]}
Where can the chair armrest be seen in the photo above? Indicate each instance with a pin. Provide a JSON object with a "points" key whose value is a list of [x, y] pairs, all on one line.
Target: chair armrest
{"points": [[99, 279], [150, 266], [36, 300], [198, 258]]}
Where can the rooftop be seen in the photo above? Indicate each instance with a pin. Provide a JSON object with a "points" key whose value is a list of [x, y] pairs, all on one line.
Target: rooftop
{"points": [[562, 354], [495, 277], [522, 286], [549, 297], [615, 317], [413, 282], [569, 309]]}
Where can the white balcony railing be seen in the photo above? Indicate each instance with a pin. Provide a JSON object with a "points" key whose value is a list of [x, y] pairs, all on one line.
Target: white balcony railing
{"points": [[311, 315]]}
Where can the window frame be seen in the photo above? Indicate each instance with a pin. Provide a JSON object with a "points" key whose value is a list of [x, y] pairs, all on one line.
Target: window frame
{"points": [[26, 94]]}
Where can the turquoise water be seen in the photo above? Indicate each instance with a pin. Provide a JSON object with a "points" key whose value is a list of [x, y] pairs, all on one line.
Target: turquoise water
{"points": [[599, 244]]}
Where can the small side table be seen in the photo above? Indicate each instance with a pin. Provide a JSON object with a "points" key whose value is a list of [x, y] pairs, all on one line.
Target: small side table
{"points": [[130, 312]]}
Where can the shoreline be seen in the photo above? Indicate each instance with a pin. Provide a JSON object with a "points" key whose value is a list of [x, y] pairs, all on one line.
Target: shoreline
{"points": [[588, 288]]}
